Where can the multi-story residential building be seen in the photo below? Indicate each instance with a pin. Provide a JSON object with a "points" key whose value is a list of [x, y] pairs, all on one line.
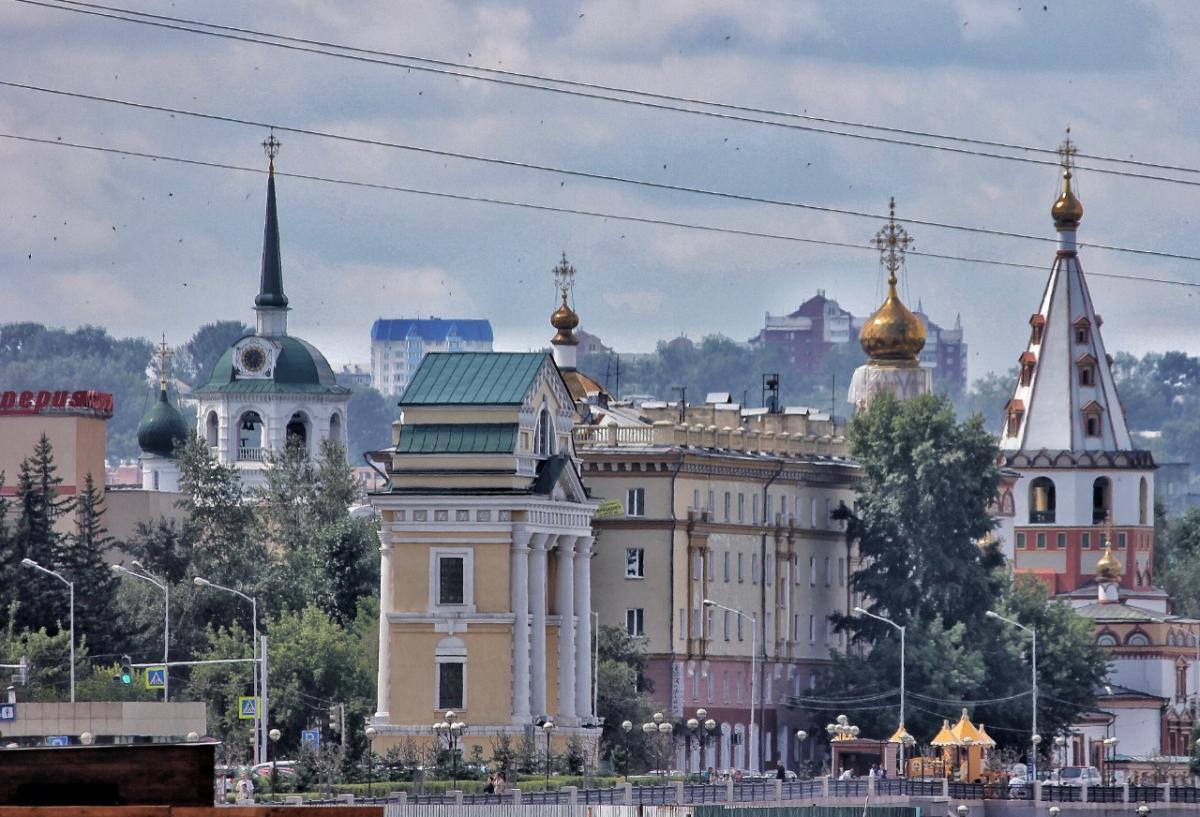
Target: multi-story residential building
{"points": [[399, 345], [805, 337], [739, 511]]}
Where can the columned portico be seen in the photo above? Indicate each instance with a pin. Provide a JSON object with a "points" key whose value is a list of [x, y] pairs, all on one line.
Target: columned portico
{"points": [[537, 610], [565, 604], [583, 627]]}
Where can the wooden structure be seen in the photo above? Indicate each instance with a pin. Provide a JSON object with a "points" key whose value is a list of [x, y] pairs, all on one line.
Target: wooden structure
{"points": [[158, 774], [963, 749]]}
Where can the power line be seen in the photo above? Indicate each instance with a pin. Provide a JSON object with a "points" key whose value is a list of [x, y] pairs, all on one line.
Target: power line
{"points": [[59, 142], [981, 702], [568, 171], [631, 91], [461, 71]]}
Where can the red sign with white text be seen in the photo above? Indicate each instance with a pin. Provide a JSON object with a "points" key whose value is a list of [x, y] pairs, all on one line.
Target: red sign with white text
{"points": [[79, 403]]}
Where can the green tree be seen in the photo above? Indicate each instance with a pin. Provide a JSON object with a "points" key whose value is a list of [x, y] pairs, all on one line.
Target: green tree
{"points": [[49, 657], [920, 511], [81, 559], [622, 693], [1178, 557], [42, 599], [369, 417], [988, 396]]}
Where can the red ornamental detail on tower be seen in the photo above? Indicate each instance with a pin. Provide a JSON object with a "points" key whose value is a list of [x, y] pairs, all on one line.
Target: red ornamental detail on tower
{"points": [[77, 403]]}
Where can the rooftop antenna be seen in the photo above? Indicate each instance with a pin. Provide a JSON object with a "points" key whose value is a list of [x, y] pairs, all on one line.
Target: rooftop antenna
{"points": [[682, 403], [770, 392]]}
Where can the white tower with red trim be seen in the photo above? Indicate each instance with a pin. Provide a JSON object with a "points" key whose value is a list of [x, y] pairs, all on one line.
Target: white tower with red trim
{"points": [[1065, 436]]}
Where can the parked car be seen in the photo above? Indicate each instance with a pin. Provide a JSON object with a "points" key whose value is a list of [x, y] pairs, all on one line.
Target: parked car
{"points": [[1079, 776], [283, 769]]}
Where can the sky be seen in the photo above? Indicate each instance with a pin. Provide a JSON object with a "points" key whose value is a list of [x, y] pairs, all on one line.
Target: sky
{"points": [[148, 247]]}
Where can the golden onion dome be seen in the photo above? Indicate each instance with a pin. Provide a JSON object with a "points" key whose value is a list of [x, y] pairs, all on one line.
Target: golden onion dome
{"points": [[564, 320], [893, 333], [1067, 211], [1108, 567]]}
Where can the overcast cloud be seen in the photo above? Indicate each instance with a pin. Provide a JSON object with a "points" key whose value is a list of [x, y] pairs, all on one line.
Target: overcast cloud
{"points": [[145, 247]]}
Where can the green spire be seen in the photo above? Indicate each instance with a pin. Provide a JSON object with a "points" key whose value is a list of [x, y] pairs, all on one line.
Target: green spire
{"points": [[270, 291]]}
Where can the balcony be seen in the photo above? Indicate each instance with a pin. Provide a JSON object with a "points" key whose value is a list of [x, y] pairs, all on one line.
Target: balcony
{"points": [[252, 454], [1041, 517]]}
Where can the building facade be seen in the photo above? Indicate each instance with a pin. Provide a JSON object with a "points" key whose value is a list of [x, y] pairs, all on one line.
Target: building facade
{"points": [[486, 553], [399, 345], [269, 387], [739, 513], [803, 338]]}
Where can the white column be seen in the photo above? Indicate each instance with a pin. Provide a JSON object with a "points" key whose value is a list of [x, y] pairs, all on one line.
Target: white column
{"points": [[583, 626], [565, 603], [537, 609], [519, 592], [384, 677]]}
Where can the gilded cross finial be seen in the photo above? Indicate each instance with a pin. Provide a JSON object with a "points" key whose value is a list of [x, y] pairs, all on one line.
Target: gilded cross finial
{"points": [[892, 241], [271, 148], [1067, 151], [564, 276], [163, 366]]}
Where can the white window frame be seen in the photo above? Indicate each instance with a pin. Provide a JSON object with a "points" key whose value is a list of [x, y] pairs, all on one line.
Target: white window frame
{"points": [[638, 618], [741, 573], [726, 628], [812, 629], [726, 558], [635, 502], [450, 650], [635, 563], [754, 568], [812, 517], [828, 572], [812, 571], [468, 557]]}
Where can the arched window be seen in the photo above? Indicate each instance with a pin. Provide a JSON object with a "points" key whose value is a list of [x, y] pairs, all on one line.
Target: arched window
{"points": [[544, 435], [250, 437], [1106, 640], [1143, 502], [1041, 501], [210, 429], [1101, 499], [297, 430], [335, 428], [1087, 370], [1092, 413], [1137, 639]]}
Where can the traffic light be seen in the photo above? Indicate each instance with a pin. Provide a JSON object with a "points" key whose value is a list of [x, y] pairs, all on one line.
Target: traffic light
{"points": [[335, 719], [126, 676]]}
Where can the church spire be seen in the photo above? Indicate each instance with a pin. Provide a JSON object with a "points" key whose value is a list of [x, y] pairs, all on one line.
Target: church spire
{"points": [[271, 304]]}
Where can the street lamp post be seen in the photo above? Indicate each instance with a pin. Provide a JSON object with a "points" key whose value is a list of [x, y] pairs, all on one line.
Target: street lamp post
{"points": [[801, 736], [370, 732], [753, 673], [1060, 741], [548, 727], [1035, 738], [452, 729], [702, 726], [626, 727], [145, 575], [1110, 757], [903, 630], [260, 742], [841, 729], [71, 588], [274, 735]]}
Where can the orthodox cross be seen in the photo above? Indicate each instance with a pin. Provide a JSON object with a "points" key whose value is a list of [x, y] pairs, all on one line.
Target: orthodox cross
{"points": [[892, 241], [163, 367], [271, 148], [1067, 151], [564, 277]]}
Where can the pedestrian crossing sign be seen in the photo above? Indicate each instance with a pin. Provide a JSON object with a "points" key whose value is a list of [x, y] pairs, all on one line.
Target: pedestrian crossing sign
{"points": [[247, 707], [156, 677]]}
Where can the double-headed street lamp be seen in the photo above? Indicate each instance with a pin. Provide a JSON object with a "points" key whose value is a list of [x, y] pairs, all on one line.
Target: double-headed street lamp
{"points": [[753, 672], [70, 587], [260, 737], [1035, 738], [451, 729], [145, 575], [661, 726], [702, 727]]}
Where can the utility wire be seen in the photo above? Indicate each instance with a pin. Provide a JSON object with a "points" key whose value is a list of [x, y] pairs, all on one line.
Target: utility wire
{"points": [[981, 702], [804, 699], [59, 142], [570, 172], [631, 91], [303, 45]]}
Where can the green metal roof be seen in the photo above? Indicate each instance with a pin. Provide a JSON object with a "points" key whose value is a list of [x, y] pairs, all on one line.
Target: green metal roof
{"points": [[466, 438], [299, 367], [473, 378]]}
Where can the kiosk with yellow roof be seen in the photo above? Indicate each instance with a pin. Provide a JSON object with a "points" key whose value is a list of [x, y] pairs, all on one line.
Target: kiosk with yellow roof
{"points": [[963, 747]]}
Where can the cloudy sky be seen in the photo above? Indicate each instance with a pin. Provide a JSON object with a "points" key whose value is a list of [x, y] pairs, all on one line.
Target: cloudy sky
{"points": [[145, 247]]}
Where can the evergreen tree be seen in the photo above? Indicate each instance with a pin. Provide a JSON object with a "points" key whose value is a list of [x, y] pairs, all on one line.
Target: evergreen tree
{"points": [[42, 600], [81, 559]]}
